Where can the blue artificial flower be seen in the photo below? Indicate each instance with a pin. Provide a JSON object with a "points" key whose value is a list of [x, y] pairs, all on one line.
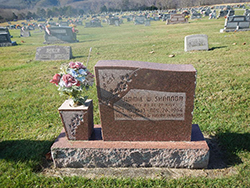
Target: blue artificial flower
{"points": [[73, 72], [82, 72], [81, 79]]}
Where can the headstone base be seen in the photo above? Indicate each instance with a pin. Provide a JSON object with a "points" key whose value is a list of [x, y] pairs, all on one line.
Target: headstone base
{"points": [[232, 30], [97, 153], [5, 44]]}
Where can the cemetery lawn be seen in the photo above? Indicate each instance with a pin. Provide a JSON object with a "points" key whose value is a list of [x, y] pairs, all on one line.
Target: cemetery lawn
{"points": [[30, 122]]}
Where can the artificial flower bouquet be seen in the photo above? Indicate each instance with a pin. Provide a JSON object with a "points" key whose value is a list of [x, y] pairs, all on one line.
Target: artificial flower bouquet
{"points": [[73, 80]]}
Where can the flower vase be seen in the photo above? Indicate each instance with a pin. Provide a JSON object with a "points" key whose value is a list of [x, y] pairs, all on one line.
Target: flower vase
{"points": [[77, 120]]}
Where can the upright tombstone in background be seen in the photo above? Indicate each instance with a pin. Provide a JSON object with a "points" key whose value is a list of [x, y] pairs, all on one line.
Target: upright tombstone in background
{"points": [[139, 20], [5, 37], [176, 19], [247, 12], [212, 15], [196, 42], [78, 22], [56, 35], [236, 23], [5, 40], [225, 12], [165, 17], [117, 23], [196, 15], [113, 21], [62, 24], [207, 12], [5, 30], [24, 32], [147, 22], [230, 13], [93, 23], [31, 27]]}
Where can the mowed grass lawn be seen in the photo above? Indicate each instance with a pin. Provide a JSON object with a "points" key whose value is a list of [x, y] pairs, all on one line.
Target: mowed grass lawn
{"points": [[29, 120]]}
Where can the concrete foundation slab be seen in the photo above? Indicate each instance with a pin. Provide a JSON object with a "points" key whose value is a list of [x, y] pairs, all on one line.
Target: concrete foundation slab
{"points": [[97, 153]]}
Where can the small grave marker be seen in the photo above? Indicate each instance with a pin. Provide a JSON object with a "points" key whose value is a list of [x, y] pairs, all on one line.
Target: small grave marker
{"points": [[196, 42], [48, 53]]}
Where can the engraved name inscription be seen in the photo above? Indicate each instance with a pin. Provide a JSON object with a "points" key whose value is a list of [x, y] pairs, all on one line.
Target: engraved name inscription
{"points": [[52, 50], [196, 42], [150, 105]]}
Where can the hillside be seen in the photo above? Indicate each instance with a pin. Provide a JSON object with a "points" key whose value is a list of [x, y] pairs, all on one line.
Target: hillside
{"points": [[114, 4], [26, 4]]}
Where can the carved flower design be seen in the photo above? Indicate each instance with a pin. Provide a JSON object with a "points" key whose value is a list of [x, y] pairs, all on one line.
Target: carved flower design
{"points": [[75, 122]]}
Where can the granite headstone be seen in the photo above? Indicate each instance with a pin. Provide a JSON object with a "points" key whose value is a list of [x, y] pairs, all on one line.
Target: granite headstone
{"points": [[5, 40], [237, 22], [142, 101], [146, 120], [55, 35], [5, 30]]}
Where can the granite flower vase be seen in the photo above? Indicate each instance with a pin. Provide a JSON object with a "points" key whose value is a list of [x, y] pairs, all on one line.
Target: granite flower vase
{"points": [[77, 120]]}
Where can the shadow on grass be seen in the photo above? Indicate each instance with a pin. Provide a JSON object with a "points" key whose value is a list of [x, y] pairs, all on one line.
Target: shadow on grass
{"points": [[224, 148], [213, 48], [234, 143], [25, 151], [83, 41], [79, 56]]}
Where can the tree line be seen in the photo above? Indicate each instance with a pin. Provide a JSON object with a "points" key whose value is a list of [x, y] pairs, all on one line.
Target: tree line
{"points": [[7, 15], [131, 5], [98, 6]]}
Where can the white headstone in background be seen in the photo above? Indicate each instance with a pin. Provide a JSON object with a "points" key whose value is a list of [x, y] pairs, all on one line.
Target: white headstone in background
{"points": [[196, 42]]}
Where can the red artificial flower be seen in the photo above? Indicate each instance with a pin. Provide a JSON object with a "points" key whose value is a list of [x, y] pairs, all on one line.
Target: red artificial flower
{"points": [[78, 83], [76, 65], [56, 79], [69, 80]]}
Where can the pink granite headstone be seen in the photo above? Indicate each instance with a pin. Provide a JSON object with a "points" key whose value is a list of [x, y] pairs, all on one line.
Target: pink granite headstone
{"points": [[142, 101]]}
